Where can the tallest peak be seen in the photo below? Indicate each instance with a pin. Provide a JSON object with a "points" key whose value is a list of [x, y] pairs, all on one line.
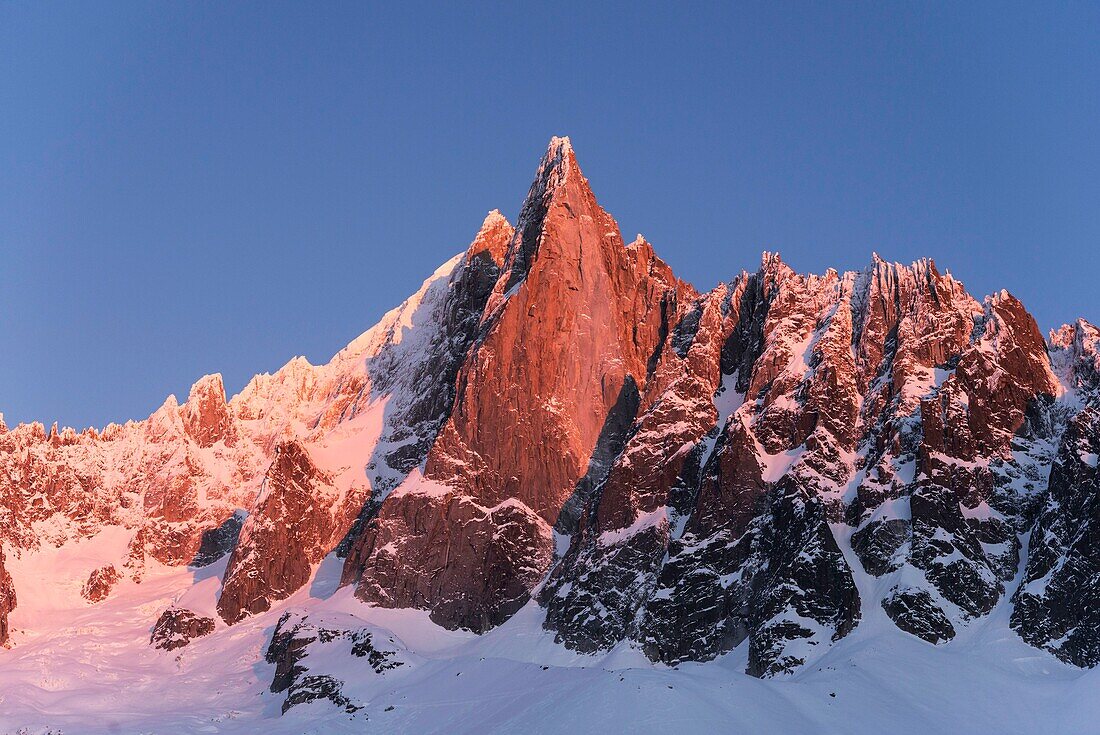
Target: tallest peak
{"points": [[558, 171], [557, 162], [558, 185], [560, 143]]}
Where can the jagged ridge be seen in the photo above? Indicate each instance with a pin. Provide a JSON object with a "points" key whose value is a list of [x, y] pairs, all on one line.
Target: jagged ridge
{"points": [[554, 414]]}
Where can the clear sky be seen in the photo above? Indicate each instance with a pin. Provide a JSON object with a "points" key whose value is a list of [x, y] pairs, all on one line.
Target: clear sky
{"points": [[200, 187]]}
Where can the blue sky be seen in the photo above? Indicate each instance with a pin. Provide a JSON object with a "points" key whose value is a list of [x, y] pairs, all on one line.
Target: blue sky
{"points": [[200, 187]]}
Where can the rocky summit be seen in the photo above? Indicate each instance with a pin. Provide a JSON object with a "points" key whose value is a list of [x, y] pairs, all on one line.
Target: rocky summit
{"points": [[556, 429]]}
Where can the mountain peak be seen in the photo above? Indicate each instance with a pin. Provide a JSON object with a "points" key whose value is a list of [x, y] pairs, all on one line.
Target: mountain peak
{"points": [[560, 147], [558, 181], [1068, 335], [922, 265], [206, 415], [493, 219], [493, 238], [558, 166], [772, 265], [207, 385]]}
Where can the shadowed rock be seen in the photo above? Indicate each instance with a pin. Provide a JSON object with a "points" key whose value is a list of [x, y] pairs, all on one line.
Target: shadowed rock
{"points": [[177, 627]]}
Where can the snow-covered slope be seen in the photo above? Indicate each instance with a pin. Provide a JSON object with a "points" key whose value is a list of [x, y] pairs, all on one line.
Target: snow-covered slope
{"points": [[86, 669], [558, 489]]}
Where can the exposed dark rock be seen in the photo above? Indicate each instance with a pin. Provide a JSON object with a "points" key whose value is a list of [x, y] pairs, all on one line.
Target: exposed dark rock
{"points": [[7, 600], [949, 551], [1057, 607], [176, 627], [617, 581], [914, 611], [878, 543], [296, 635], [767, 582], [318, 686], [286, 649], [217, 542]]}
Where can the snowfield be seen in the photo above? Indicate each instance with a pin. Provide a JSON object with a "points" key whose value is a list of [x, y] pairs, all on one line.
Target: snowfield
{"points": [[78, 669]]}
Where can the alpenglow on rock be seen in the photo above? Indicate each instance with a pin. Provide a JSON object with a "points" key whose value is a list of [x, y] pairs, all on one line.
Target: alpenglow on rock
{"points": [[555, 423]]}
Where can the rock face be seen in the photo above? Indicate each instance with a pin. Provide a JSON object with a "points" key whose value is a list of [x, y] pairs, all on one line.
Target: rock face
{"points": [[217, 542], [298, 518], [7, 600], [1057, 606], [206, 417], [470, 538], [555, 414], [176, 627], [99, 584], [569, 287], [782, 582], [724, 544], [472, 566]]}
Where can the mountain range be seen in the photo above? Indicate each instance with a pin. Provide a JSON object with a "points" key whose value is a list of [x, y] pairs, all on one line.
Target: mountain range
{"points": [[556, 457]]}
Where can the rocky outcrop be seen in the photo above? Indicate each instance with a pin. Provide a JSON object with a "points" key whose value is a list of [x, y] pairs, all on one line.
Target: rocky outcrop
{"points": [[473, 567], [298, 518], [773, 336], [217, 542], [206, 416], [100, 583], [298, 635], [7, 600], [1057, 607], [782, 582], [176, 627], [758, 528], [971, 443]]}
